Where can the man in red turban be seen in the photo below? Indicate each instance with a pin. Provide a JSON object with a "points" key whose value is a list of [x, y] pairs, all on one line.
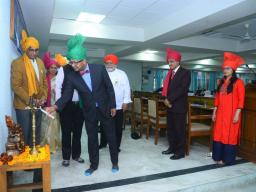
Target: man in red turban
{"points": [[122, 90], [175, 91]]}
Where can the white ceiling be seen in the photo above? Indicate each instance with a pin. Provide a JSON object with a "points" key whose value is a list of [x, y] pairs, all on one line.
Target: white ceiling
{"points": [[200, 29]]}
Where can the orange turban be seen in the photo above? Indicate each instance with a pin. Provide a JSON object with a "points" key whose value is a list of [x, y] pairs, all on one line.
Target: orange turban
{"points": [[111, 57], [232, 60], [27, 42], [60, 59]]}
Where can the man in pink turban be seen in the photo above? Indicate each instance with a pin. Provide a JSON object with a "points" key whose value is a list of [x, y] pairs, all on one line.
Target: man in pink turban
{"points": [[175, 91]]}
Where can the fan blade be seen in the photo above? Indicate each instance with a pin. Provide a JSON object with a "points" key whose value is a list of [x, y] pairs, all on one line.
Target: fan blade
{"points": [[231, 36], [208, 33]]}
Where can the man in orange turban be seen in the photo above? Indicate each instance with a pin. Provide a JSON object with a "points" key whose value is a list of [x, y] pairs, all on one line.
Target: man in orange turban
{"points": [[28, 80], [122, 90]]}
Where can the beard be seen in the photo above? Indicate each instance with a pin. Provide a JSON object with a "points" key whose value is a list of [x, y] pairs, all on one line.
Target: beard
{"points": [[110, 69]]}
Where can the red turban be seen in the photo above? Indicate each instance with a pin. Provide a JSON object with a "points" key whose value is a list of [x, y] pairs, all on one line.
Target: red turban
{"points": [[232, 60], [171, 54], [112, 58]]}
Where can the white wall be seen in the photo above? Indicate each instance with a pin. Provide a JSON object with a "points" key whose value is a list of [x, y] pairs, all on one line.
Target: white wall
{"points": [[134, 73], [7, 54]]}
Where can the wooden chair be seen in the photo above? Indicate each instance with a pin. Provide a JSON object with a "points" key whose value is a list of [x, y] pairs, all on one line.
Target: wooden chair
{"points": [[128, 116], [157, 117], [140, 113], [197, 127]]}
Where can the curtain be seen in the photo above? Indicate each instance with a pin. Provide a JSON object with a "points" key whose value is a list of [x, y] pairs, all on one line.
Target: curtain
{"points": [[212, 79], [195, 81], [159, 78]]}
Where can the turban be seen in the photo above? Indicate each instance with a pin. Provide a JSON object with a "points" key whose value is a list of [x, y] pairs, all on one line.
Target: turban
{"points": [[171, 54], [60, 59], [112, 58], [27, 42], [48, 61], [76, 49], [232, 60]]}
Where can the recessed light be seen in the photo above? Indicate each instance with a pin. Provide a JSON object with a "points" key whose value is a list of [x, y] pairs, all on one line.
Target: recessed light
{"points": [[90, 17], [149, 51]]}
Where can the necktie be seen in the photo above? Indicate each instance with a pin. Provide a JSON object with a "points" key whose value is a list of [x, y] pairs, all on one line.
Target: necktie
{"points": [[173, 73]]}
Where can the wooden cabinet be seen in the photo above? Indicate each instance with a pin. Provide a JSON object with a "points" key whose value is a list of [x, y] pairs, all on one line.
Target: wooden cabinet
{"points": [[247, 148]]}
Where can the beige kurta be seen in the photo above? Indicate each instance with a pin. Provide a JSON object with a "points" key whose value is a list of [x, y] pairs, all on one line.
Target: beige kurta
{"points": [[50, 131]]}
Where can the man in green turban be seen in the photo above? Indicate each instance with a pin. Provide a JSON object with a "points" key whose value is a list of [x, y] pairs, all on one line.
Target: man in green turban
{"points": [[71, 117], [98, 100], [76, 49]]}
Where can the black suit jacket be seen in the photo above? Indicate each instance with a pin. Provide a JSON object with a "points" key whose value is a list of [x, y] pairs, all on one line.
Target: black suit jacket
{"points": [[178, 89], [102, 92]]}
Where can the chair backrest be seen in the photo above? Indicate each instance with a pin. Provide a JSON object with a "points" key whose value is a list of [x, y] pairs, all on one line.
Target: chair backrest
{"points": [[152, 105], [197, 117], [137, 105]]}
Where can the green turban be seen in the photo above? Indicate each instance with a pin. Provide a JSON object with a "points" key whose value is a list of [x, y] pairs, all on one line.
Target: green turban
{"points": [[76, 49]]}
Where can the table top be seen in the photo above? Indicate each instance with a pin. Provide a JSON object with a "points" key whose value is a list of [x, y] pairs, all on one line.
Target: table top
{"points": [[200, 106]]}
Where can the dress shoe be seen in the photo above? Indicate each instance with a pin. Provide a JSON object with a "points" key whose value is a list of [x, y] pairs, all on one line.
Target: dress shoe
{"points": [[65, 163], [115, 168], [89, 171], [79, 160], [176, 157], [167, 152]]}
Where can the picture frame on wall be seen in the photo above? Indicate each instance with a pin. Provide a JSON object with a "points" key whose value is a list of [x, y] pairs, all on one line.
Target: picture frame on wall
{"points": [[17, 24]]}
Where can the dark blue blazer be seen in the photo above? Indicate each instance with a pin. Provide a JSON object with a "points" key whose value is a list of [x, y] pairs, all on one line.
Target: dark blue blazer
{"points": [[102, 92]]}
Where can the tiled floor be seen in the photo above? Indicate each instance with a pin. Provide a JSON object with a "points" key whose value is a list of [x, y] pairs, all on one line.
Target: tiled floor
{"points": [[142, 158]]}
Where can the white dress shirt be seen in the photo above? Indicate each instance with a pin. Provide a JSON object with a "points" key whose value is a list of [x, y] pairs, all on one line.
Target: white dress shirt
{"points": [[121, 86], [34, 63], [176, 69], [59, 82]]}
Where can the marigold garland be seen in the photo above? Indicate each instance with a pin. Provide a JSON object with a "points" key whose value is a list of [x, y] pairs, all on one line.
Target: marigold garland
{"points": [[25, 157]]}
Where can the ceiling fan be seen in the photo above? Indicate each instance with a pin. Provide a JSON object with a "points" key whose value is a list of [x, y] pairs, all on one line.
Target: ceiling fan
{"points": [[246, 37]]}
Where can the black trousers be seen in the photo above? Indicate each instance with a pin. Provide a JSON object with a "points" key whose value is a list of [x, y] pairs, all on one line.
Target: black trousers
{"points": [[92, 132], [71, 120], [118, 120], [176, 132]]}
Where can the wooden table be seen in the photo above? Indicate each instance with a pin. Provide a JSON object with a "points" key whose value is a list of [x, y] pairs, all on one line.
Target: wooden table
{"points": [[202, 107], [46, 176]]}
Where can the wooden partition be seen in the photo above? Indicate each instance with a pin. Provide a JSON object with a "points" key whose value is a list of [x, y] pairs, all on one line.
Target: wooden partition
{"points": [[247, 148]]}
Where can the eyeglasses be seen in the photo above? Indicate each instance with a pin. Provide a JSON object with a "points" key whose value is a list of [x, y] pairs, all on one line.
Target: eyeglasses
{"points": [[75, 62], [33, 50], [109, 63]]}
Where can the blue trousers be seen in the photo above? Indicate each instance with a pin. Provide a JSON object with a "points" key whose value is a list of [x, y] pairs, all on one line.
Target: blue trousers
{"points": [[24, 118], [224, 152]]}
